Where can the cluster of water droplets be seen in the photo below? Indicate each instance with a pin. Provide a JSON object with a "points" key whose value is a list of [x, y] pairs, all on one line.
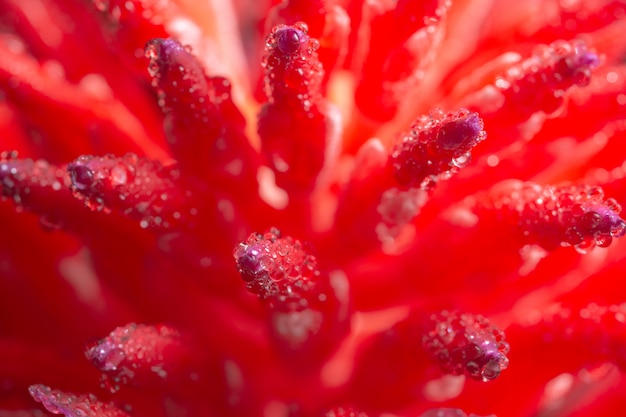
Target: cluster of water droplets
{"points": [[438, 145], [466, 344], [572, 215], [19, 177], [70, 405], [292, 68], [539, 82], [178, 77], [271, 265], [134, 354]]}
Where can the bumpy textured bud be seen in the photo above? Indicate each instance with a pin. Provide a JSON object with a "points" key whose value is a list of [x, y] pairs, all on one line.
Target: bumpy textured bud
{"points": [[308, 309], [299, 129], [136, 187], [466, 344], [70, 405], [551, 216], [437, 146]]}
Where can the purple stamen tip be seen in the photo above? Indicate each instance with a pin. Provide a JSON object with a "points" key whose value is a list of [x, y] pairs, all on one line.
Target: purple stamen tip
{"points": [[289, 40], [249, 262], [460, 134]]}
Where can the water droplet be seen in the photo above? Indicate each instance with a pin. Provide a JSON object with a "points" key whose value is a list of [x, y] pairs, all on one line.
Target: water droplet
{"points": [[314, 45], [613, 205], [119, 175], [585, 246], [289, 40], [491, 370], [603, 241], [302, 27], [113, 359], [591, 220], [618, 229], [573, 236], [81, 176], [462, 161], [152, 49]]}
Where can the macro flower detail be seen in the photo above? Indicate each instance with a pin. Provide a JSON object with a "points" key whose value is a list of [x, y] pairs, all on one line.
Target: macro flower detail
{"points": [[58, 402], [272, 265], [135, 355], [323, 208], [308, 309], [437, 146], [134, 186], [297, 127], [465, 344], [576, 216]]}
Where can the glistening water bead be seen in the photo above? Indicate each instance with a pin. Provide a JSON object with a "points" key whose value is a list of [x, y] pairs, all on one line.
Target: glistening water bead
{"points": [[467, 344], [81, 175], [172, 178], [288, 40]]}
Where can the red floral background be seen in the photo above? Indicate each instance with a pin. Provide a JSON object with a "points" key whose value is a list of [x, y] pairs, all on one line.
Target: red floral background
{"points": [[312, 208]]}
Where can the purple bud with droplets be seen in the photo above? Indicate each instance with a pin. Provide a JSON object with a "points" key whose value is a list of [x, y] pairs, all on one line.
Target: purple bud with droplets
{"points": [[466, 344], [569, 215], [437, 146], [71, 405], [249, 262], [459, 134], [269, 263]]}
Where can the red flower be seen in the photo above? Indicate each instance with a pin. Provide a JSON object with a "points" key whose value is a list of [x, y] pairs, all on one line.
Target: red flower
{"points": [[372, 208]]}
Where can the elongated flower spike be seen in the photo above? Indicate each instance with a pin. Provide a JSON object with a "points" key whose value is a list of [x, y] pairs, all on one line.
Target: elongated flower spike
{"points": [[391, 193], [36, 186], [539, 83], [308, 309], [299, 129], [466, 344], [204, 128], [567, 334], [136, 187], [417, 346], [402, 42], [551, 217], [59, 402], [587, 335], [147, 184], [326, 21], [44, 189], [437, 146], [149, 357], [532, 90], [601, 101]]}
